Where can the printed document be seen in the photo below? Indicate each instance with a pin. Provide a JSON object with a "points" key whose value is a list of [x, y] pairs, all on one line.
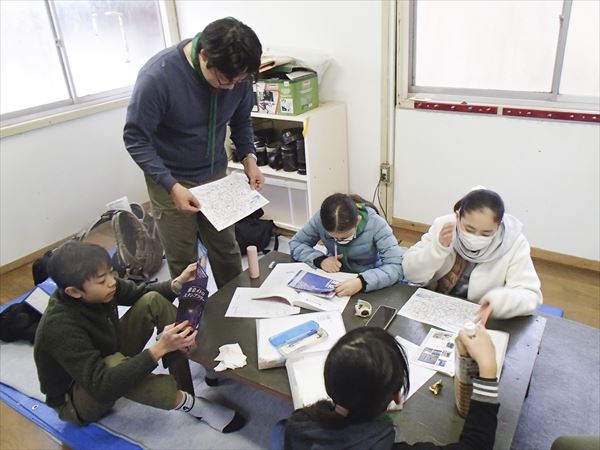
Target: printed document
{"points": [[228, 200], [439, 310]]}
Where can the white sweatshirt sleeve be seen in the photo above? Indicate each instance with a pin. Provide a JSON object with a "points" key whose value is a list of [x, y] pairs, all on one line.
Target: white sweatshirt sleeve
{"points": [[426, 257], [521, 294]]}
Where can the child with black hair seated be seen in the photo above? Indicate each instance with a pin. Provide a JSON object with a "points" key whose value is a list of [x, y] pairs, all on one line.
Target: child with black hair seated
{"points": [[357, 240], [87, 357], [364, 371], [478, 253]]}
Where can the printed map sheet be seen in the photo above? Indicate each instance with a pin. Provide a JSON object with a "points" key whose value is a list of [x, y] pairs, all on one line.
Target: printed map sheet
{"points": [[228, 200], [439, 310]]}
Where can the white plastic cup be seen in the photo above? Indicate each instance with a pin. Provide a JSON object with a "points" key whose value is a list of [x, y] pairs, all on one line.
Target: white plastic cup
{"points": [[253, 269]]}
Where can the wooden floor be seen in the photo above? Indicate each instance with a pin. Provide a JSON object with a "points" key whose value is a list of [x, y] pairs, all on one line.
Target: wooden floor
{"points": [[576, 291]]}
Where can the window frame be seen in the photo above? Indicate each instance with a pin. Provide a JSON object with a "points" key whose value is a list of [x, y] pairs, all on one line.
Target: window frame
{"points": [[27, 119], [408, 91]]}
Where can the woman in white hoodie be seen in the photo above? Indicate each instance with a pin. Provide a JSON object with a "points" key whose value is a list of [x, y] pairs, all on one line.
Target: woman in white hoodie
{"points": [[478, 253]]}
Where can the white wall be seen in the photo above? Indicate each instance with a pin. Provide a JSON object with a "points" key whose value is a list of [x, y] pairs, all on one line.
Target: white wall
{"points": [[348, 31], [55, 180], [547, 173]]}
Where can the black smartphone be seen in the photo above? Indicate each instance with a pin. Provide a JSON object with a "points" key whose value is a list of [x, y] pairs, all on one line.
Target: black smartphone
{"points": [[382, 317]]}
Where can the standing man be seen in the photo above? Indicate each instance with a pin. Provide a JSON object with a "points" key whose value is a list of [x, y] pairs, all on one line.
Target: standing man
{"points": [[183, 100]]}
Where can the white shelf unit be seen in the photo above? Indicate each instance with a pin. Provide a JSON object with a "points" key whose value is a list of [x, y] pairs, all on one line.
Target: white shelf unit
{"points": [[294, 198]]}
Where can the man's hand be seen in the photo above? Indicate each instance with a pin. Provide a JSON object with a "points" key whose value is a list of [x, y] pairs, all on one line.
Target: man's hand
{"points": [[184, 200], [485, 311], [255, 177], [446, 233], [332, 264], [174, 337], [348, 287]]}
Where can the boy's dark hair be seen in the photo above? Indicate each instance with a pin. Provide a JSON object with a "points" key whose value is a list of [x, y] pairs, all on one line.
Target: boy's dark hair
{"points": [[363, 372], [75, 262], [231, 47], [480, 199], [339, 212]]}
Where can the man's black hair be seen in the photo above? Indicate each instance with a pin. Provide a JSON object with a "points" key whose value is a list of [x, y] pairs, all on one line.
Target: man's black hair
{"points": [[231, 47], [75, 262]]}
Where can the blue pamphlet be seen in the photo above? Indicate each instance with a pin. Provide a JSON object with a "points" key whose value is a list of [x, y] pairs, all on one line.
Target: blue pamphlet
{"points": [[312, 282], [193, 298]]}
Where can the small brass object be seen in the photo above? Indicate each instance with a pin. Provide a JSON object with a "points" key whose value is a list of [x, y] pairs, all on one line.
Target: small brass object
{"points": [[436, 387]]}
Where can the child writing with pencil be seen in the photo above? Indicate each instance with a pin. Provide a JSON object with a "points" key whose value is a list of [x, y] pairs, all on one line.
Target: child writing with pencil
{"points": [[357, 240]]}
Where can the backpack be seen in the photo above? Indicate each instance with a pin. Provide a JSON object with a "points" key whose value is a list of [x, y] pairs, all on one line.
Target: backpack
{"points": [[252, 230], [139, 252], [19, 322]]}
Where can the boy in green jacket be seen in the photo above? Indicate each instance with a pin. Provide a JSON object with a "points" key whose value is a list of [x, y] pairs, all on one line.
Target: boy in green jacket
{"points": [[87, 357]]}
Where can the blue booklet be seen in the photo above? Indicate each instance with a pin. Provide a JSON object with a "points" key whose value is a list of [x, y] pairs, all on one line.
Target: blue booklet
{"points": [[193, 297], [312, 282]]}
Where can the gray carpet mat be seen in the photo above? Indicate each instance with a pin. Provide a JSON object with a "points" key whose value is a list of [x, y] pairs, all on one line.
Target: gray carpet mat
{"points": [[157, 429]]}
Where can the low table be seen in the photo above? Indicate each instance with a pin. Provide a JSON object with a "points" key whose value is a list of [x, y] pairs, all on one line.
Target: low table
{"points": [[425, 417]]}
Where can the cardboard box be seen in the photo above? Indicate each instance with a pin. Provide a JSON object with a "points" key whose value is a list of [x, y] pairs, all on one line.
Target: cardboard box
{"points": [[287, 90]]}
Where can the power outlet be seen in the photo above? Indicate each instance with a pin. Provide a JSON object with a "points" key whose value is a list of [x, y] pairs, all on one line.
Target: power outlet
{"points": [[385, 173]]}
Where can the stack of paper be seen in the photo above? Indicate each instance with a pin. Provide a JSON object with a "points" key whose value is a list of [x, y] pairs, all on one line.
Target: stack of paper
{"points": [[268, 356]]}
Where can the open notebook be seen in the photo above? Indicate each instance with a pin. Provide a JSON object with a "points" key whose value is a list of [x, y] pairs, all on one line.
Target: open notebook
{"points": [[275, 288]]}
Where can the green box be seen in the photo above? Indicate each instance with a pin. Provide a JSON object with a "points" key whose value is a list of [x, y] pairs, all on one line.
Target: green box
{"points": [[287, 90]]}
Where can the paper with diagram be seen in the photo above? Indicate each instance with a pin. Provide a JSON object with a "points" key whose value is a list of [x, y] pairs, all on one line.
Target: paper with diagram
{"points": [[439, 310], [228, 200]]}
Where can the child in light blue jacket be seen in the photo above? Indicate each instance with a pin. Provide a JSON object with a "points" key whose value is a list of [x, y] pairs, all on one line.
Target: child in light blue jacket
{"points": [[357, 240]]}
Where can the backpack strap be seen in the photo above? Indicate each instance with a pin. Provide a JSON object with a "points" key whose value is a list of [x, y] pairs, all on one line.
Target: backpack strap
{"points": [[105, 217]]}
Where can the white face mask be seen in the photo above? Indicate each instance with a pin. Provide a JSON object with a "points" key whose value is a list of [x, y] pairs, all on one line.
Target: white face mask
{"points": [[474, 242]]}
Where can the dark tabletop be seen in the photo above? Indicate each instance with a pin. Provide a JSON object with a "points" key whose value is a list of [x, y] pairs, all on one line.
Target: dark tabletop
{"points": [[425, 417]]}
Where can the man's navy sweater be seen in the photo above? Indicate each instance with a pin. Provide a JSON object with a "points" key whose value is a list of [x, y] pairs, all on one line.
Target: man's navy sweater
{"points": [[166, 130]]}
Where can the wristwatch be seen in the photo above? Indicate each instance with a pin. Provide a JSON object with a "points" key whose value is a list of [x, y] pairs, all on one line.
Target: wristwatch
{"points": [[249, 155]]}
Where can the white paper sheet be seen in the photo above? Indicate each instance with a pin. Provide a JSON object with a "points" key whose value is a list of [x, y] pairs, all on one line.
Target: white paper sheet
{"points": [[282, 273], [442, 311], [418, 375], [228, 200], [243, 305], [38, 299], [305, 374], [268, 356]]}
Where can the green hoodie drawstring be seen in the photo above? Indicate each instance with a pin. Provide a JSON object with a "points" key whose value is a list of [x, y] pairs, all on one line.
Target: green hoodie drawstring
{"points": [[212, 108]]}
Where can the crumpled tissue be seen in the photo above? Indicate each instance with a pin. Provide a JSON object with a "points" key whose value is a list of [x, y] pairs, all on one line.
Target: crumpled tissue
{"points": [[230, 357]]}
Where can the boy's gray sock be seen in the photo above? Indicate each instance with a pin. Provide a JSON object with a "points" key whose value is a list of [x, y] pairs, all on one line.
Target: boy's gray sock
{"points": [[215, 415]]}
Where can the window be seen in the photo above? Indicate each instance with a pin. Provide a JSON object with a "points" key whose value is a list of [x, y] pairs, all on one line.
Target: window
{"points": [[66, 52], [537, 50]]}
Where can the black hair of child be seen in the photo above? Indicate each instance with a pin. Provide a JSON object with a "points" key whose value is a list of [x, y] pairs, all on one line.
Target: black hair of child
{"points": [[75, 262], [363, 372], [480, 199], [339, 212], [231, 47]]}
